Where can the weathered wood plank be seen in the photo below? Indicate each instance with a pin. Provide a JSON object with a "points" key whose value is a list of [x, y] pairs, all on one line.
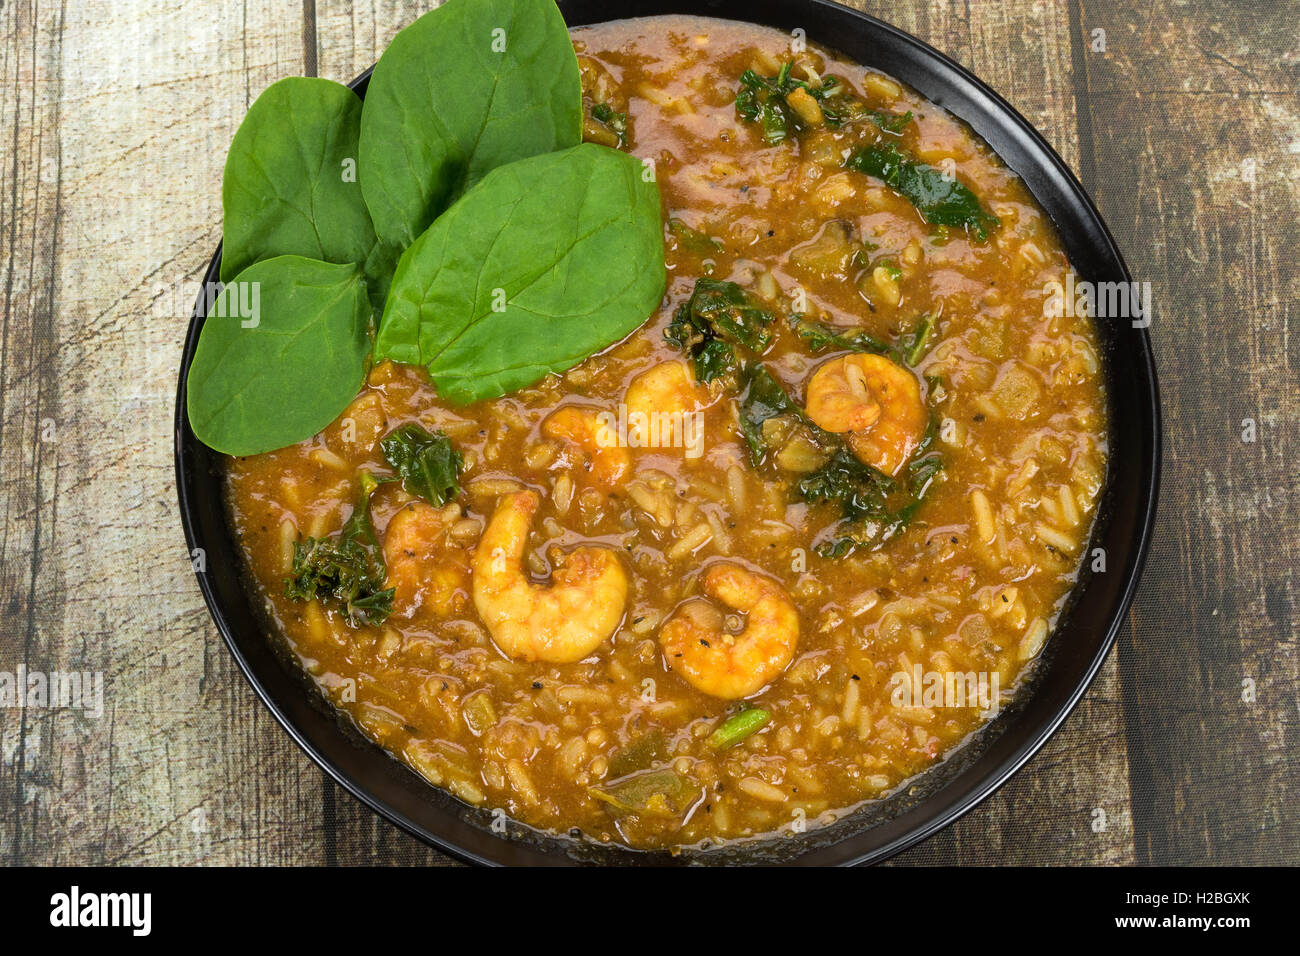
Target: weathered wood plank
{"points": [[1215, 46], [351, 36], [1208, 219], [32, 206], [112, 205], [1201, 185]]}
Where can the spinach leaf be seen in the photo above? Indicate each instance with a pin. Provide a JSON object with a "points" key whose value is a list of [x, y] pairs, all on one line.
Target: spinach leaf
{"points": [[821, 337], [281, 354], [766, 100], [893, 123], [427, 464], [762, 400], [378, 268], [917, 342], [940, 199], [860, 489], [468, 87], [875, 506], [717, 316], [544, 262], [348, 567], [290, 185]]}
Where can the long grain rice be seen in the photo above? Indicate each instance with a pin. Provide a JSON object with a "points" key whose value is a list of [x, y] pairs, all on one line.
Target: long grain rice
{"points": [[1033, 640], [761, 790], [577, 694], [736, 489], [1055, 538], [288, 537], [697, 537], [983, 516], [493, 487], [327, 459]]}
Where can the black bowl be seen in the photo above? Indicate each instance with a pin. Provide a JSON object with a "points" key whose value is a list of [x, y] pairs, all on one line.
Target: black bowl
{"points": [[1070, 660]]}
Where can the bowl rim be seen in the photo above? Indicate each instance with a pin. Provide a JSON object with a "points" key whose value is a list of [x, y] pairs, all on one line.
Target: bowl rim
{"points": [[501, 851]]}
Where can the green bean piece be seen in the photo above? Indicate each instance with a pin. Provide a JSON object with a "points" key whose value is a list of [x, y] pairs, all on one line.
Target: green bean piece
{"points": [[737, 727]]}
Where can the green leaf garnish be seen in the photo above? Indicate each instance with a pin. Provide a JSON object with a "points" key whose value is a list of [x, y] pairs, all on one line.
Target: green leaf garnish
{"points": [[264, 381], [293, 156], [427, 463], [544, 262], [940, 199], [470, 86]]}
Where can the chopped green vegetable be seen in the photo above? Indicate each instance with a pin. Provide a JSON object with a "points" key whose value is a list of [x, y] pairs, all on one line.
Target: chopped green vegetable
{"points": [[940, 199], [427, 463], [640, 754], [762, 400], [717, 317], [347, 567], [762, 100], [612, 120], [692, 239], [862, 491], [893, 123], [739, 726], [822, 337], [654, 793], [916, 344], [765, 100], [875, 506]]}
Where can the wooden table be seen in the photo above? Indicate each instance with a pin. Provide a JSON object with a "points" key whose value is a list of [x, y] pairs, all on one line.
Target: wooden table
{"points": [[1183, 121]]}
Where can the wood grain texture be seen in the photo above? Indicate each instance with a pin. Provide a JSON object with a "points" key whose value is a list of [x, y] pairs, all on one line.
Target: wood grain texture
{"points": [[114, 122], [1206, 213]]}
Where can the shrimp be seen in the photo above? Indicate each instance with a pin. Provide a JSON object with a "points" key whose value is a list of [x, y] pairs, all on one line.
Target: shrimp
{"points": [[662, 405], [667, 387], [605, 462], [875, 401], [557, 623], [426, 570], [725, 665]]}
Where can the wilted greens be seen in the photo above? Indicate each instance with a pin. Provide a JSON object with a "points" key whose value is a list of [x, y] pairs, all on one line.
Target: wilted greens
{"points": [[941, 199], [426, 463], [347, 567], [710, 324], [875, 507], [766, 100]]}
